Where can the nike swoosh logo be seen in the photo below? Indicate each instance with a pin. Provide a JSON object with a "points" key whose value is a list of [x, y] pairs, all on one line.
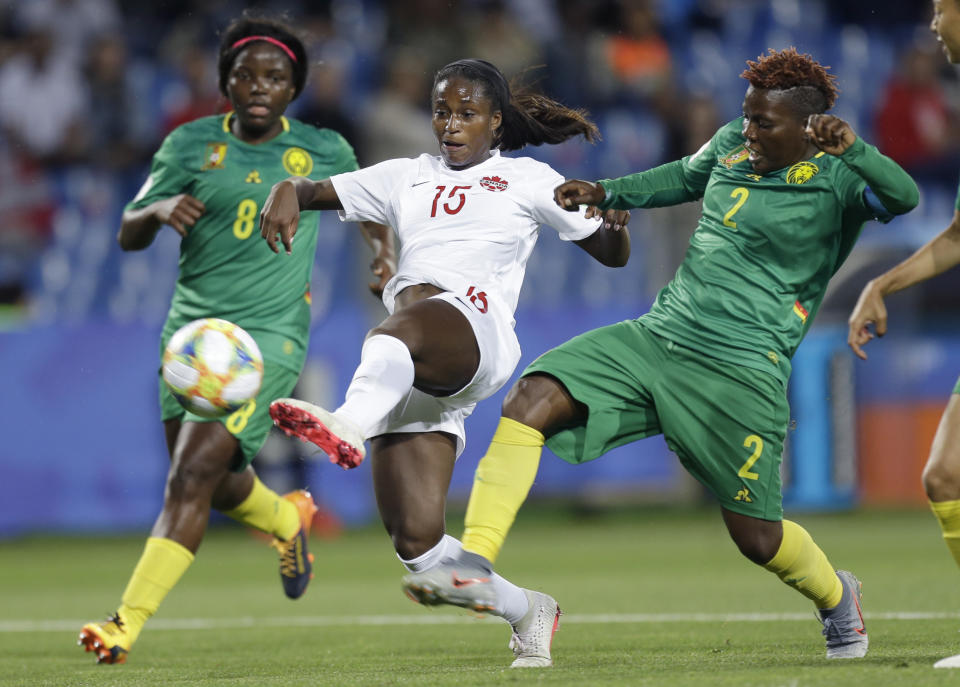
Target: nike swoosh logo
{"points": [[466, 582], [862, 630]]}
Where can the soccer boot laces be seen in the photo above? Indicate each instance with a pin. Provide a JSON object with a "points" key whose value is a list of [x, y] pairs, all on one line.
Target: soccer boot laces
{"points": [[533, 634], [296, 561]]}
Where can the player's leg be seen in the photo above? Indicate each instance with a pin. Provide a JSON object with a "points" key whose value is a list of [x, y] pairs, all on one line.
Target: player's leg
{"points": [[411, 474], [941, 480], [727, 424], [941, 475], [787, 550], [203, 454], [429, 345], [583, 397], [534, 407], [243, 497], [598, 367]]}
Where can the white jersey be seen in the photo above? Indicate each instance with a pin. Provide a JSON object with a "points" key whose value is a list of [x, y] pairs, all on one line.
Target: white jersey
{"points": [[466, 231]]}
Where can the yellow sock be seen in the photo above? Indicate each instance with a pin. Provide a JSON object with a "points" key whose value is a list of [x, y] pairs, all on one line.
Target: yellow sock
{"points": [[500, 486], [802, 565], [948, 514], [160, 567], [267, 511]]}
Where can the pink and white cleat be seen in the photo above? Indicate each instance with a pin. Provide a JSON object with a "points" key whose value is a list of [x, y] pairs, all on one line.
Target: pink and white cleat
{"points": [[339, 439]]}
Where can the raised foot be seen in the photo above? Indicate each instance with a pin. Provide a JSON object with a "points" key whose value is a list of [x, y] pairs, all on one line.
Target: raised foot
{"points": [[342, 442]]}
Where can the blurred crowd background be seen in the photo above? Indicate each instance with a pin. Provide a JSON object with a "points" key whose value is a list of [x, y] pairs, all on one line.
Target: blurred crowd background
{"points": [[89, 88]]}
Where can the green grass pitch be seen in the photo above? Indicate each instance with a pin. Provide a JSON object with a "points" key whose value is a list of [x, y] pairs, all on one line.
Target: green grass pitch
{"points": [[650, 597]]}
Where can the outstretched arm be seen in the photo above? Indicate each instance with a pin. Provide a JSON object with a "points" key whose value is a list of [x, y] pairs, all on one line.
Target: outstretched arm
{"points": [[384, 265], [938, 255], [139, 227], [281, 211]]}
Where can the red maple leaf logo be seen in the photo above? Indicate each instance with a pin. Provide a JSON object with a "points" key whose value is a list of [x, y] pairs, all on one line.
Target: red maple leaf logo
{"points": [[494, 183]]}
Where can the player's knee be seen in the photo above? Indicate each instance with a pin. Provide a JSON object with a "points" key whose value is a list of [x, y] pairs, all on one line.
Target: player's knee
{"points": [[941, 483], [757, 545], [192, 479], [519, 402], [537, 401]]}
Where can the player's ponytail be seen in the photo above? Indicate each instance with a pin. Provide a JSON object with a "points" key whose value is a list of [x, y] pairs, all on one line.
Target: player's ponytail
{"points": [[528, 118]]}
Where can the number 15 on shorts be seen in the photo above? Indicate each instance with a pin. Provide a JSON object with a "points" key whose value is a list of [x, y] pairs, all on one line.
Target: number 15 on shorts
{"points": [[478, 298]]}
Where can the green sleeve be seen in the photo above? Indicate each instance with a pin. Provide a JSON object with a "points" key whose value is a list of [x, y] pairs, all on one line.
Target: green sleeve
{"points": [[889, 182], [670, 184], [168, 177]]}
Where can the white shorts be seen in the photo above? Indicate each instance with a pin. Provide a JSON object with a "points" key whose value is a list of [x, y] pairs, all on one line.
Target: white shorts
{"points": [[499, 355]]}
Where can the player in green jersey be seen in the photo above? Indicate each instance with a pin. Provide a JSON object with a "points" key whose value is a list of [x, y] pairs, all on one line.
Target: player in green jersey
{"points": [[786, 190], [209, 181], [941, 475]]}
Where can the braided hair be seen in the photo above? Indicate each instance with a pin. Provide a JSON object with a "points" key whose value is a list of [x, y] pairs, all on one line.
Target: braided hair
{"points": [[269, 30], [527, 117], [812, 89]]}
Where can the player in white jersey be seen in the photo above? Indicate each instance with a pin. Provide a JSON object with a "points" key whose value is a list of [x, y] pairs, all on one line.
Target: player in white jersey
{"points": [[467, 222]]}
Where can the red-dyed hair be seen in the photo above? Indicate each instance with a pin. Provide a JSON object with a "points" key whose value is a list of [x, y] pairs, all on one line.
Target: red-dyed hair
{"points": [[788, 69]]}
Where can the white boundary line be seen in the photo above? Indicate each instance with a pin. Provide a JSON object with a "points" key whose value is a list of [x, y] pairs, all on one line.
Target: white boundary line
{"points": [[426, 619]]}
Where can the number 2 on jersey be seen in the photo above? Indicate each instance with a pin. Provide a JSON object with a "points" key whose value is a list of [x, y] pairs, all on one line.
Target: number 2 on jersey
{"points": [[446, 206], [740, 193], [246, 216]]}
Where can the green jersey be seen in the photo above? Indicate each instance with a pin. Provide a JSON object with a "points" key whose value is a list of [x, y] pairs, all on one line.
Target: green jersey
{"points": [[225, 269], [758, 264]]}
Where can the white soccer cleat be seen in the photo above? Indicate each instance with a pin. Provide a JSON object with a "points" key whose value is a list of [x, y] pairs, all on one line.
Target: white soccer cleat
{"points": [[453, 582], [340, 440], [949, 662], [533, 634]]}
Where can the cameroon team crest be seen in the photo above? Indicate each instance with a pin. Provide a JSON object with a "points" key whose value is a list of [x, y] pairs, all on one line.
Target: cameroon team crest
{"points": [[214, 156], [732, 158], [801, 172], [297, 162]]}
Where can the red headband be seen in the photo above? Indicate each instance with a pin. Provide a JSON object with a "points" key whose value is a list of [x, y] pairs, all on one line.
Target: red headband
{"points": [[268, 39]]}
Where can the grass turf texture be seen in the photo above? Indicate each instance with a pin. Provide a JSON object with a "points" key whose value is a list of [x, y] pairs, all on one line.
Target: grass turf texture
{"points": [[650, 598]]}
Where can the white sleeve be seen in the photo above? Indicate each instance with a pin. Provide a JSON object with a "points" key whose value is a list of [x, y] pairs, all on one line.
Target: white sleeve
{"points": [[365, 194], [572, 226]]}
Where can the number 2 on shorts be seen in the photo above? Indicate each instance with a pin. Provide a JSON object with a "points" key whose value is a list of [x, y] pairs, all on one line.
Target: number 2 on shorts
{"points": [[741, 194], [757, 444]]}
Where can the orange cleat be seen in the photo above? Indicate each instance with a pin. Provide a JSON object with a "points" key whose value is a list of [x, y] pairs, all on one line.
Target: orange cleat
{"points": [[296, 561], [107, 639]]}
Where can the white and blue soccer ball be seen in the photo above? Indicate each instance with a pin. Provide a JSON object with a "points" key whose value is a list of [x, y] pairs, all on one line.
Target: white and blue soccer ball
{"points": [[212, 367]]}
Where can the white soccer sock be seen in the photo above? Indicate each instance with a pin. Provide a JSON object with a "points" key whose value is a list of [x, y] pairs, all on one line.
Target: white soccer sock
{"points": [[383, 377], [431, 558], [511, 603]]}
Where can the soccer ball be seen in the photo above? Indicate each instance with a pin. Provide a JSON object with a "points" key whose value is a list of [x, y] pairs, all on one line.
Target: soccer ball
{"points": [[212, 367]]}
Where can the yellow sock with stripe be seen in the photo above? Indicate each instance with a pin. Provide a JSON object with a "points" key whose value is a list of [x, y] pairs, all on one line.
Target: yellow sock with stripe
{"points": [[948, 515], [802, 565], [267, 511], [160, 568], [500, 486]]}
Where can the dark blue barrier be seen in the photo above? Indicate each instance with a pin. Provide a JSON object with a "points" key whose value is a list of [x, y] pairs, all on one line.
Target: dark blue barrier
{"points": [[83, 447]]}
